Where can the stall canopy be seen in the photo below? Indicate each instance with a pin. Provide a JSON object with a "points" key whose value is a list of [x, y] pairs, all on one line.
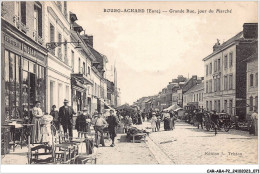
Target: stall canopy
{"points": [[172, 108]]}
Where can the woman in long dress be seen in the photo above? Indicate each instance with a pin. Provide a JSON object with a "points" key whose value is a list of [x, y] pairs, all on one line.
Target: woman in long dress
{"points": [[153, 122], [37, 115]]}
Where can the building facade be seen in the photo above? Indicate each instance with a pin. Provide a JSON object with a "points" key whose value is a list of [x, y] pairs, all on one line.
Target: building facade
{"points": [[194, 96], [225, 73], [24, 59], [59, 67], [252, 84]]}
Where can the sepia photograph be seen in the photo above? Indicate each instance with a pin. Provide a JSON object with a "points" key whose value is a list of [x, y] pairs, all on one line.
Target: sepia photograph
{"points": [[157, 83]]}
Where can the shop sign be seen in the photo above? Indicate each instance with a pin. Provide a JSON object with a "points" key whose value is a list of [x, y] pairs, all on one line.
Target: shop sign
{"points": [[24, 47], [12, 41]]}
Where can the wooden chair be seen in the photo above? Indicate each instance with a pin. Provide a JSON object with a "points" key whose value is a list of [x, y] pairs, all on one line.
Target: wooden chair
{"points": [[40, 154]]}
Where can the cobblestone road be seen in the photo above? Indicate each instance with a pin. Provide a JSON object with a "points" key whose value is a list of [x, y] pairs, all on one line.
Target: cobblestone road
{"points": [[184, 145], [187, 144]]}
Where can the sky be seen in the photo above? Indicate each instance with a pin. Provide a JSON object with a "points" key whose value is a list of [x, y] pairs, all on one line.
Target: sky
{"points": [[149, 50]]}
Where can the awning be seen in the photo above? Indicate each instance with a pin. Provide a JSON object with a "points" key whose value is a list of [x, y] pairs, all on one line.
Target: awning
{"points": [[172, 108]]}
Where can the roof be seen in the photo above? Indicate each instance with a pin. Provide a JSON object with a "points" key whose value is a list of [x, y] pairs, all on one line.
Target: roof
{"points": [[195, 88], [223, 45]]}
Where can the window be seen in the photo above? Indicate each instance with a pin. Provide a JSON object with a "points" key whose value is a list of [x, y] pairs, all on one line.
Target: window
{"points": [[66, 52], [225, 106], [215, 66], [84, 68], [256, 79], [251, 103], [88, 70], [59, 46], [207, 87], [207, 105], [226, 82], [38, 19], [251, 80], [65, 9], [218, 105], [23, 12], [231, 81], [231, 59], [219, 65], [218, 84], [52, 38], [207, 69], [210, 68], [201, 96], [215, 85], [215, 105], [79, 66], [210, 105], [72, 60], [256, 102], [210, 86], [225, 61], [59, 5], [197, 97], [230, 107]]}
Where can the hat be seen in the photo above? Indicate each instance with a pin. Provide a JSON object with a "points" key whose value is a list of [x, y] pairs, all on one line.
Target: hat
{"points": [[153, 113], [66, 101], [111, 110], [85, 109]]}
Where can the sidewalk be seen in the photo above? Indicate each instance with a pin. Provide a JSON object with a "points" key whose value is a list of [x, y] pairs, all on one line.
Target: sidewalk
{"points": [[123, 153]]}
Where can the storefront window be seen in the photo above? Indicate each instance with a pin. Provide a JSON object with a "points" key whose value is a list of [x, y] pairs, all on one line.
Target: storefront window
{"points": [[18, 86], [40, 86], [7, 89], [24, 83], [12, 84], [25, 94]]}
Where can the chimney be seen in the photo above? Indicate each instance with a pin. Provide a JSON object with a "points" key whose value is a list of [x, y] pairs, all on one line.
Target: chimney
{"points": [[88, 39], [194, 77], [250, 30]]}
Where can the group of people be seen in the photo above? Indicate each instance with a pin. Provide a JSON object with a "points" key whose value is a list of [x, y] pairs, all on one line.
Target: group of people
{"points": [[63, 119], [168, 118]]}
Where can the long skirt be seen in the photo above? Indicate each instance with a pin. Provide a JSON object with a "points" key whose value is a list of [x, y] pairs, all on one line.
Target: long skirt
{"points": [[166, 124], [37, 133]]}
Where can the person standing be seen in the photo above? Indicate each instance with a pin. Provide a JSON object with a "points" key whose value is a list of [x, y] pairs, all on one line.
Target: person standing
{"points": [[200, 119], [158, 121], [214, 119], [100, 124], [153, 122], [37, 115], [66, 117], [112, 124], [55, 114]]}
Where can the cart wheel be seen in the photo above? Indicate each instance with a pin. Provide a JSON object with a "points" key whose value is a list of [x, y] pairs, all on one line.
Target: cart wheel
{"points": [[227, 126]]}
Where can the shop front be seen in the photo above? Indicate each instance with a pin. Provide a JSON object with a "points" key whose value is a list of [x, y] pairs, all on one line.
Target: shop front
{"points": [[80, 92], [23, 74]]}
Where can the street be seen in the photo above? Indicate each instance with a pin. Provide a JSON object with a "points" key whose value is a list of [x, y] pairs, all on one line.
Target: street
{"points": [[186, 144]]}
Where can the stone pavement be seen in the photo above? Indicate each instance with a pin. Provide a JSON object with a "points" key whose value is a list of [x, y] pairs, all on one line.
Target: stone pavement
{"points": [[184, 145], [123, 153], [187, 144]]}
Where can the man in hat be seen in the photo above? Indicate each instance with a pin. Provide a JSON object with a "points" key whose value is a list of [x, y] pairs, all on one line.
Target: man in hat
{"points": [[66, 117], [112, 124]]}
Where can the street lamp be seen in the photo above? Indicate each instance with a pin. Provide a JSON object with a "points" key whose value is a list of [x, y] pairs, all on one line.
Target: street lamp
{"points": [[53, 45]]}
